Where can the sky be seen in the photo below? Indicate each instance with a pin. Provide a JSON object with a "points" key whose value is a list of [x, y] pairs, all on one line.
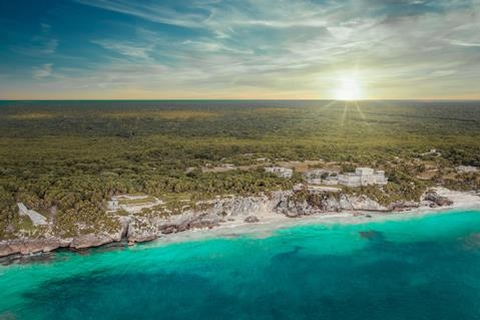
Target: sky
{"points": [[240, 49]]}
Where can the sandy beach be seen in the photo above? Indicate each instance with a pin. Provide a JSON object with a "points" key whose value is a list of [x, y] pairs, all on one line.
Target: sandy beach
{"points": [[270, 221]]}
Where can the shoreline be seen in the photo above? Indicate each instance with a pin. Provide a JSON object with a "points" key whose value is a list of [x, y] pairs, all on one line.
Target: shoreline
{"points": [[268, 223], [267, 227]]}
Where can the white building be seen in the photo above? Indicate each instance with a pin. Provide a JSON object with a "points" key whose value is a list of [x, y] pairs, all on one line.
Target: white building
{"points": [[349, 179], [321, 176], [361, 177], [280, 171]]}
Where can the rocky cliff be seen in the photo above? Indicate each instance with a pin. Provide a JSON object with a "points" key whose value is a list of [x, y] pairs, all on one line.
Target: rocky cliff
{"points": [[140, 228]]}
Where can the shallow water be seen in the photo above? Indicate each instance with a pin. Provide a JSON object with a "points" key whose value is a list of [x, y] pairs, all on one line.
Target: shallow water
{"points": [[416, 268]]}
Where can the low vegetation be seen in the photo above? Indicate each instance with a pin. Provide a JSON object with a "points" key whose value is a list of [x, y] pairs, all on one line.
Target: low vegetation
{"points": [[65, 159]]}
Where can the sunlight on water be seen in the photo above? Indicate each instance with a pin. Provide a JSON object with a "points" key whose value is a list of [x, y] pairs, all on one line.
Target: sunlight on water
{"points": [[416, 268]]}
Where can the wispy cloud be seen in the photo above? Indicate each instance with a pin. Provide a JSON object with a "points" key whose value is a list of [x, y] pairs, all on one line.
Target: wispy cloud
{"points": [[43, 71], [149, 10], [42, 44], [126, 48], [464, 43], [396, 48]]}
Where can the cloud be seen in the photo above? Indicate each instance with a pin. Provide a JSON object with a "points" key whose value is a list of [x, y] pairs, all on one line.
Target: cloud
{"points": [[126, 48], [149, 10], [464, 43], [396, 47], [43, 71], [49, 46], [41, 44]]}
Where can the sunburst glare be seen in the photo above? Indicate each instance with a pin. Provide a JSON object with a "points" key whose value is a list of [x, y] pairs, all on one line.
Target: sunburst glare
{"points": [[349, 88]]}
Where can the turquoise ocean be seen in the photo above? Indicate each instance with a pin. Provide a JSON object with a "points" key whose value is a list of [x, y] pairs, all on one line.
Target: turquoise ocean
{"points": [[417, 267]]}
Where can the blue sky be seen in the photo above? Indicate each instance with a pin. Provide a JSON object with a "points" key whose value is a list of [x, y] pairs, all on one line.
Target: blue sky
{"points": [[316, 49]]}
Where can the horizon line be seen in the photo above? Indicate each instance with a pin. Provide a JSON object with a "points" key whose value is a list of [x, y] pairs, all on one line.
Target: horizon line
{"points": [[244, 99]]}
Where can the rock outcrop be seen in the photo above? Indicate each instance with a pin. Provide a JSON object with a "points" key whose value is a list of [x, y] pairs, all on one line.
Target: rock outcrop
{"points": [[29, 246], [140, 228], [251, 219], [436, 200], [91, 240], [33, 246]]}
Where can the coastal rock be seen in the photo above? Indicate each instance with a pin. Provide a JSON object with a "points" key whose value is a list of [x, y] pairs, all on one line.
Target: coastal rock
{"points": [[138, 228], [437, 200], [402, 205], [5, 250], [168, 229], [341, 201], [329, 203], [251, 219], [51, 244], [141, 237], [28, 246], [326, 202], [124, 226], [239, 206], [203, 220], [364, 203], [140, 231], [142, 228], [90, 240], [345, 202]]}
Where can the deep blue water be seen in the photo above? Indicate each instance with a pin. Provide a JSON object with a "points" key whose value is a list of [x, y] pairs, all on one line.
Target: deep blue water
{"points": [[415, 268]]}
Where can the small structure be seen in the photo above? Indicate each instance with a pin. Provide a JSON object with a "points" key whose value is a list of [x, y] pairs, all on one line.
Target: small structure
{"points": [[466, 169], [36, 218], [321, 176], [132, 203], [349, 179], [361, 177], [280, 171], [113, 204]]}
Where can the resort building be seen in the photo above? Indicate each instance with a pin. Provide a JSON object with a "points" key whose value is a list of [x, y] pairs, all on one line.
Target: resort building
{"points": [[280, 171]]}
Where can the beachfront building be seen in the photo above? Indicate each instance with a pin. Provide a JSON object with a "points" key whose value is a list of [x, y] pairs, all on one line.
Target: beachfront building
{"points": [[349, 179], [321, 177], [280, 171], [361, 177]]}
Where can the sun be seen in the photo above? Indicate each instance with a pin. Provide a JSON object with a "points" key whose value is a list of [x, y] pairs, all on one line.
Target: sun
{"points": [[349, 88]]}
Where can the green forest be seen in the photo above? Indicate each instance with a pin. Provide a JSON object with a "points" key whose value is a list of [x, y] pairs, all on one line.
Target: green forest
{"points": [[65, 159]]}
